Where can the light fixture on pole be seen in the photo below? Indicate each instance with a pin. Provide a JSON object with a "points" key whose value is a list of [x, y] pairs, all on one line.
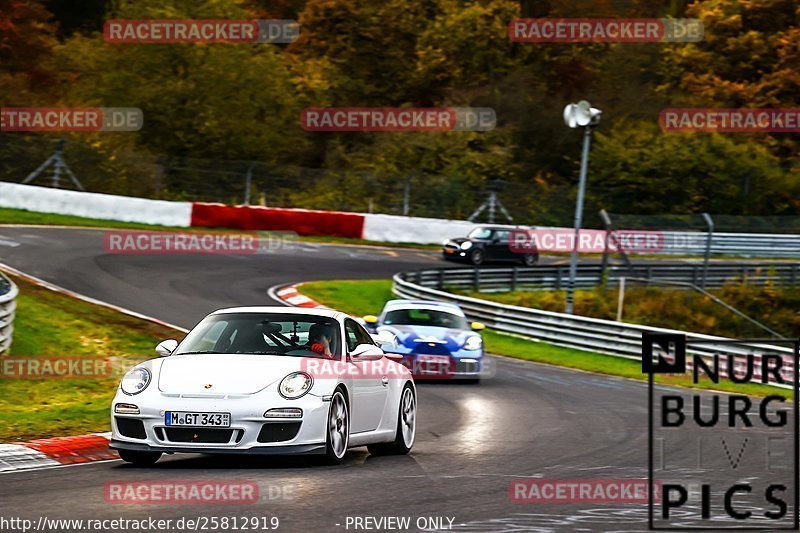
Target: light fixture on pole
{"points": [[580, 115]]}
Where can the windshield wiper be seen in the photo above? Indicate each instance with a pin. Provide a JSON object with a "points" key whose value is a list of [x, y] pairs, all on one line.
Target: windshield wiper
{"points": [[264, 353]]}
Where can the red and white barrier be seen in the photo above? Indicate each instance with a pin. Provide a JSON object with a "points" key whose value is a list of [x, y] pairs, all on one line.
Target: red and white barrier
{"points": [[393, 228], [368, 226], [95, 205], [387, 228], [300, 221]]}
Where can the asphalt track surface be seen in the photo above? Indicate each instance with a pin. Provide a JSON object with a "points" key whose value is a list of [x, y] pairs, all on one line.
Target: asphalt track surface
{"points": [[530, 420]]}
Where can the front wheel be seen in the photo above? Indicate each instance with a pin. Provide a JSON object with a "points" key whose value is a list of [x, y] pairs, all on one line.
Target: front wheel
{"points": [[406, 427], [338, 429], [477, 257], [139, 458]]}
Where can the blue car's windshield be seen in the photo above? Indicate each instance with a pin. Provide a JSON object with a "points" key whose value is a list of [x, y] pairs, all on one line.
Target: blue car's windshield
{"points": [[425, 317]]}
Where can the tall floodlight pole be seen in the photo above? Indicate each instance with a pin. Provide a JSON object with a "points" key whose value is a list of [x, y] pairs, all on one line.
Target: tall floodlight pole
{"points": [[577, 115]]}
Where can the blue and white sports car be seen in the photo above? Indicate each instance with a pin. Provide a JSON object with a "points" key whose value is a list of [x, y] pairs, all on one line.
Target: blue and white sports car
{"points": [[434, 338]]}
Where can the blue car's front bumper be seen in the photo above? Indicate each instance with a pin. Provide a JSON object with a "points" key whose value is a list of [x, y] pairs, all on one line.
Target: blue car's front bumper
{"points": [[441, 366]]}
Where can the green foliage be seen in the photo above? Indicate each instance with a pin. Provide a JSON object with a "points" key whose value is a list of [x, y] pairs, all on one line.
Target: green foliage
{"points": [[689, 172], [224, 101]]}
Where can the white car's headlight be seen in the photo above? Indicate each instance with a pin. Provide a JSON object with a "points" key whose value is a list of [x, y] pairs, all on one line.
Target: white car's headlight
{"points": [[135, 381], [473, 343], [466, 245], [295, 385]]}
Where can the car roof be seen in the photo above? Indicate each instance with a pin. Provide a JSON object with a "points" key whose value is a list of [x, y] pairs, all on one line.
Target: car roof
{"points": [[300, 311], [499, 226], [423, 304]]}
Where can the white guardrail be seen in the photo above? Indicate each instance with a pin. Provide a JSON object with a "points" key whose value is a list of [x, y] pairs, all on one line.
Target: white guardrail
{"points": [[735, 244], [619, 339], [8, 304]]}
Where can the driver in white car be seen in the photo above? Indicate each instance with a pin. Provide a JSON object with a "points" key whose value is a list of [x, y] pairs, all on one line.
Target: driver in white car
{"points": [[320, 337]]}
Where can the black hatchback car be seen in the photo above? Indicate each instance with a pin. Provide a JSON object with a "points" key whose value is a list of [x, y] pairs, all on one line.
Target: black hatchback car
{"points": [[486, 244]]}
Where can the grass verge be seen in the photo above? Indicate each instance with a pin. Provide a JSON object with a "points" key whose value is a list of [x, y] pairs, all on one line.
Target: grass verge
{"points": [[363, 297], [49, 324]]}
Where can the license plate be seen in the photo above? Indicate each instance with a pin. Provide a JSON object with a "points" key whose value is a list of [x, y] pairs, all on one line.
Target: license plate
{"points": [[435, 359], [448, 251], [185, 419]]}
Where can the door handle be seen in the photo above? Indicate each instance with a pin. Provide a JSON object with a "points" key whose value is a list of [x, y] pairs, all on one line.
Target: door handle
{"points": [[385, 381]]}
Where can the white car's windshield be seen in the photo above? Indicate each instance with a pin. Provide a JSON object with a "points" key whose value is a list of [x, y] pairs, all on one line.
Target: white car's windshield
{"points": [[264, 333], [425, 317]]}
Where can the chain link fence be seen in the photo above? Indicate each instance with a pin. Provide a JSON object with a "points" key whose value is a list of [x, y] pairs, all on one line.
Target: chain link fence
{"points": [[114, 170]]}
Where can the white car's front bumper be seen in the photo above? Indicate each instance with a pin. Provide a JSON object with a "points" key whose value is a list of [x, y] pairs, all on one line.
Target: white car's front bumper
{"points": [[250, 431]]}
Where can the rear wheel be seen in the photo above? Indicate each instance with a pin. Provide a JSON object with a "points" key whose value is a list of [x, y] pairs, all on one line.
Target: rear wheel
{"points": [[338, 429], [406, 427], [139, 458], [477, 257], [530, 259]]}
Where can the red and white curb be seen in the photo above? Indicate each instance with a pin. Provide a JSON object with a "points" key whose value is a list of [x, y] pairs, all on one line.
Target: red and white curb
{"points": [[57, 451], [292, 297]]}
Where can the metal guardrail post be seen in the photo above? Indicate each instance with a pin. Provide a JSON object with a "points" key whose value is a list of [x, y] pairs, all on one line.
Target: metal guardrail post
{"points": [[440, 281], [248, 181], [514, 274], [707, 256], [476, 279]]}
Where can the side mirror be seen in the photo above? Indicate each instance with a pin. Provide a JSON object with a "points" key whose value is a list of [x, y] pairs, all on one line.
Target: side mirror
{"points": [[166, 347], [366, 352], [478, 326], [385, 339]]}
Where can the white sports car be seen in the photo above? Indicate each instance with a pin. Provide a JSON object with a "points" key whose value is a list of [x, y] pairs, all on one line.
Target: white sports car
{"points": [[266, 380]]}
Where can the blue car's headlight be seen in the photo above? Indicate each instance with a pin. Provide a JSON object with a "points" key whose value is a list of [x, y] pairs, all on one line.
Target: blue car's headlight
{"points": [[473, 343], [466, 245]]}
